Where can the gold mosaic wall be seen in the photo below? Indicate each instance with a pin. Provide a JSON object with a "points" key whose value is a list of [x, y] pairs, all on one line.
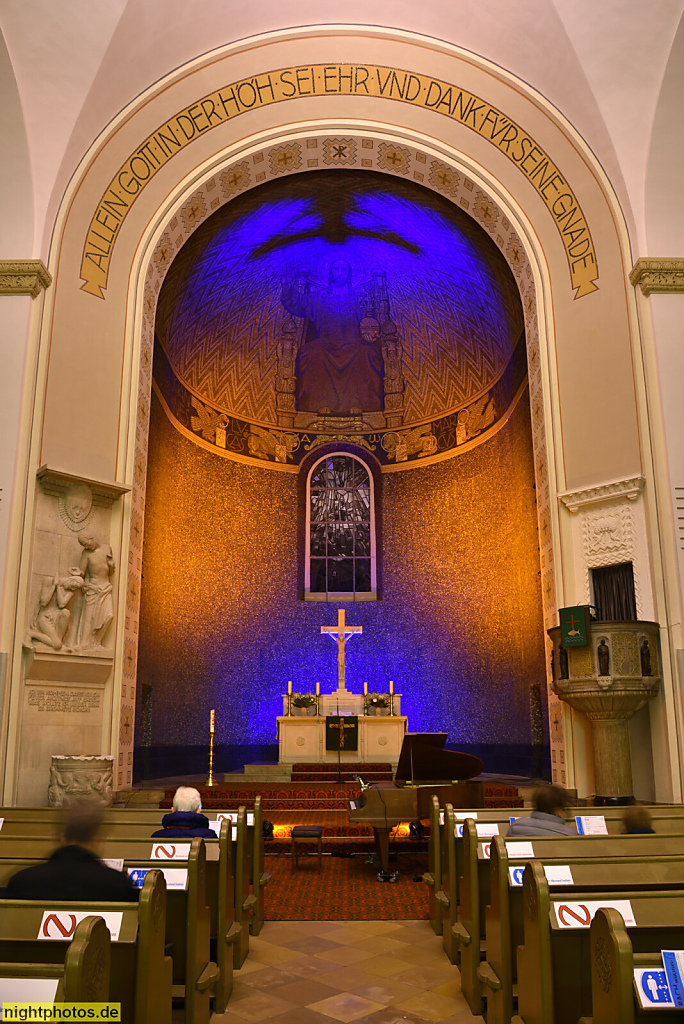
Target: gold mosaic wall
{"points": [[459, 627]]}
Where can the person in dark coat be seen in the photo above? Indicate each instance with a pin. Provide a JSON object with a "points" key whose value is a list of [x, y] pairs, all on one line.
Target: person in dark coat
{"points": [[547, 817], [636, 821], [74, 871], [185, 821]]}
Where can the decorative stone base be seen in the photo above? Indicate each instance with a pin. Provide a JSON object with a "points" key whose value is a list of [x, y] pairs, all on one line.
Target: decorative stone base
{"points": [[80, 778]]}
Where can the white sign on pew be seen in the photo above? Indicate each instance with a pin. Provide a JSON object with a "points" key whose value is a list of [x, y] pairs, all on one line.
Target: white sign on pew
{"points": [[580, 915], [483, 828], [169, 850], [116, 863], [176, 878], [28, 990], [673, 962], [519, 850], [462, 815], [2, 822], [231, 816], [591, 824], [61, 924], [558, 874], [652, 989]]}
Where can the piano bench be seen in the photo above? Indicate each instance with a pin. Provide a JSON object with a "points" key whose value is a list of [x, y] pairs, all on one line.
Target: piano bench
{"points": [[303, 834]]}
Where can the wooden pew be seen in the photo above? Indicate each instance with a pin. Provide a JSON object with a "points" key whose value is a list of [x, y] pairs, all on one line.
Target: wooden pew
{"points": [[613, 961], [433, 875], [83, 977], [592, 861], [187, 916], [554, 973], [140, 976], [245, 900], [258, 875]]}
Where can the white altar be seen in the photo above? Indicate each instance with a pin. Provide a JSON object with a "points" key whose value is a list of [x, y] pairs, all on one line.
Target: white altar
{"points": [[301, 737]]}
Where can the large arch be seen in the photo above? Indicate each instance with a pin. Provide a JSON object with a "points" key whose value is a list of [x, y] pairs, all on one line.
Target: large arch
{"points": [[445, 105]]}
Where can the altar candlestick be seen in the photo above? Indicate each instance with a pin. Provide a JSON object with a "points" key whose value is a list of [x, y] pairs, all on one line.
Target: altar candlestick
{"points": [[211, 721], [318, 689], [391, 686], [289, 686], [365, 689]]}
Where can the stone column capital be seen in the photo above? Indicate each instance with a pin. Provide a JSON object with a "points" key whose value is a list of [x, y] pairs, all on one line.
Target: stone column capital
{"points": [[23, 277], [658, 275]]}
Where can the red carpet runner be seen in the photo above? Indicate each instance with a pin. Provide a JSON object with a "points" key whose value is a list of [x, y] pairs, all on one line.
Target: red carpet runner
{"points": [[346, 889]]}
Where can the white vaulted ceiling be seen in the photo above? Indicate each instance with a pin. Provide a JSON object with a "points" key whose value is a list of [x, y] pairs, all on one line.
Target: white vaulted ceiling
{"points": [[78, 63]]}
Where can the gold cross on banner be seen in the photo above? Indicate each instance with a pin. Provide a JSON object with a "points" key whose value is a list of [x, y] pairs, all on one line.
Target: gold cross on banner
{"points": [[340, 634], [342, 726]]}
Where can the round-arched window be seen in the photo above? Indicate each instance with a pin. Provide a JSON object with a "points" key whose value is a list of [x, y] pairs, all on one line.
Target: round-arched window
{"points": [[340, 555]]}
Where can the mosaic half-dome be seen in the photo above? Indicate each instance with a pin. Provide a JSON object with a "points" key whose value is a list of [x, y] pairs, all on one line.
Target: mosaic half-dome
{"points": [[411, 257]]}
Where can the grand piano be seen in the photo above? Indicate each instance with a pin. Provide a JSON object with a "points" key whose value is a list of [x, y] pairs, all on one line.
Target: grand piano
{"points": [[424, 770]]}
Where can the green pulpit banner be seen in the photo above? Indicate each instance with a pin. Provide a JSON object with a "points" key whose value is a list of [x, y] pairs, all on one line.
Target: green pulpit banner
{"points": [[574, 625], [341, 732]]}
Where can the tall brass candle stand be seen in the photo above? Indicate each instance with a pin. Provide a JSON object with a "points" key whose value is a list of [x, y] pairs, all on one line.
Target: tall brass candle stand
{"points": [[210, 781]]}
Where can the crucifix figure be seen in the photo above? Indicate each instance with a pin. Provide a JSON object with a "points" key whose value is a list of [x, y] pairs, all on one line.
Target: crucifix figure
{"points": [[341, 727], [340, 633]]}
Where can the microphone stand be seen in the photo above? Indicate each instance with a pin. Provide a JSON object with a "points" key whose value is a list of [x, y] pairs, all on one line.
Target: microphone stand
{"points": [[340, 741]]}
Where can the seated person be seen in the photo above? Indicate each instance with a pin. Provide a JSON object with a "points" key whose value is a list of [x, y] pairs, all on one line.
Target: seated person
{"points": [[547, 817], [637, 821], [185, 821], [74, 871]]}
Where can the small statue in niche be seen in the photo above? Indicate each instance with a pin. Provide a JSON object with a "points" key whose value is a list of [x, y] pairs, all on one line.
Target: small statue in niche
{"points": [[96, 566], [563, 663], [645, 652], [553, 666], [52, 617], [603, 653]]}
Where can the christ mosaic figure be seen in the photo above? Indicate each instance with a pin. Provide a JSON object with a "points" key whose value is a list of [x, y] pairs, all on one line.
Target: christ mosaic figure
{"points": [[339, 366]]}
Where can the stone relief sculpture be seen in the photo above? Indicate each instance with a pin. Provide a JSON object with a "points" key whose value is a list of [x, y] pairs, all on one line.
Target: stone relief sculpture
{"points": [[645, 652], [603, 653], [75, 506], [77, 779], [97, 612], [394, 375], [53, 615]]}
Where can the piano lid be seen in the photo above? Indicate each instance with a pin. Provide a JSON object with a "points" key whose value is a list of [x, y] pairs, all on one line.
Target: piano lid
{"points": [[423, 759]]}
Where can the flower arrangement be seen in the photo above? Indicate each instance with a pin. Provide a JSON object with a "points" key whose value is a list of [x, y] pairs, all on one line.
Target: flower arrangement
{"points": [[377, 700], [303, 700]]}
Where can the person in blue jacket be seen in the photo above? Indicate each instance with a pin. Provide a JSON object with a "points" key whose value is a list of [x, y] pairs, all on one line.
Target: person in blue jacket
{"points": [[185, 821]]}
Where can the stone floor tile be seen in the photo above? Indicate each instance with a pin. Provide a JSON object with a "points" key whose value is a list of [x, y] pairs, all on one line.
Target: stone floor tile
{"points": [[304, 991], [313, 944], [344, 955], [267, 953], [379, 944], [417, 954], [427, 975], [387, 991], [348, 979], [390, 1015], [258, 1006], [431, 1005], [269, 978], [309, 967], [298, 1015], [349, 933], [345, 1007], [248, 967], [386, 967], [452, 989]]}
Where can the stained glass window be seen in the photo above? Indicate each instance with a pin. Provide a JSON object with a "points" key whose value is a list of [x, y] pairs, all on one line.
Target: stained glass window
{"points": [[341, 542]]}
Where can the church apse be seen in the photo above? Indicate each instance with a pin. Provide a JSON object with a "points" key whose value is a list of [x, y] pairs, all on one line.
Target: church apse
{"points": [[342, 309]]}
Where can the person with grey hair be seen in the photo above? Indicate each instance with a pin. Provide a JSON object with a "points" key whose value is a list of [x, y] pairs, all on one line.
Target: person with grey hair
{"points": [[185, 821]]}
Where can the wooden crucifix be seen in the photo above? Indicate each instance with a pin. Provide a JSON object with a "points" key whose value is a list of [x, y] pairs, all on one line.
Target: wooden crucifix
{"points": [[340, 634]]}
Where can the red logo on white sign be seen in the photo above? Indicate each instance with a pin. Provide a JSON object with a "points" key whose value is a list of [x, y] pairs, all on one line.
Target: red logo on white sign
{"points": [[65, 925]]}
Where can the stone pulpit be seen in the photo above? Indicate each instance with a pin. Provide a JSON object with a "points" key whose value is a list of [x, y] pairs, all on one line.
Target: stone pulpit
{"points": [[609, 679]]}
